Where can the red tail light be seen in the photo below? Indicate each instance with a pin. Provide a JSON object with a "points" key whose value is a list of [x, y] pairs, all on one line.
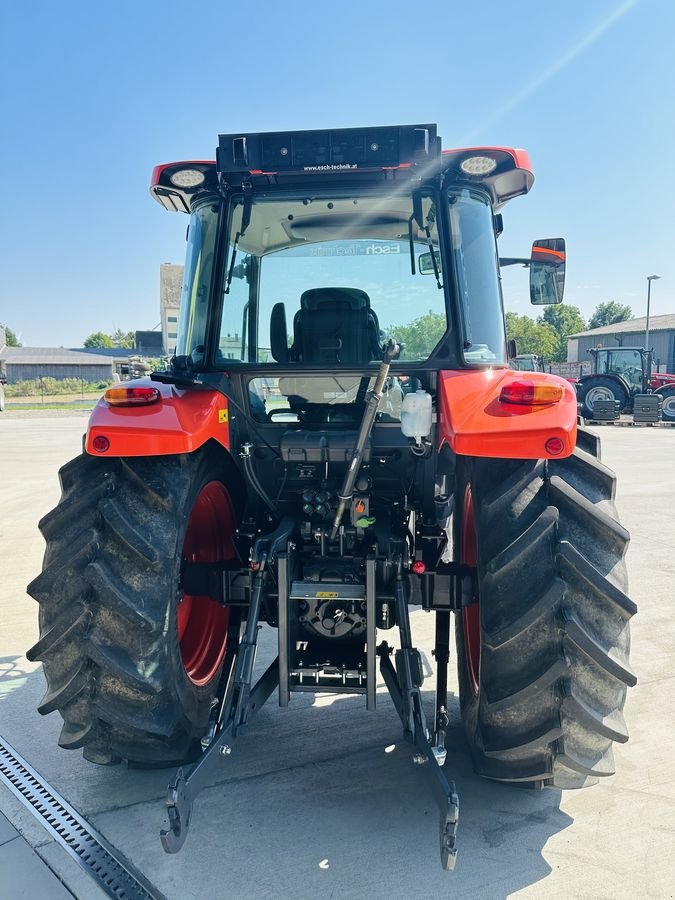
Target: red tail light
{"points": [[531, 393], [132, 396]]}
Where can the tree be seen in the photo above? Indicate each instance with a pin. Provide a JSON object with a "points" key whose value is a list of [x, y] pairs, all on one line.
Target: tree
{"points": [[10, 338], [608, 313], [126, 339], [99, 340], [531, 336], [564, 320], [421, 335]]}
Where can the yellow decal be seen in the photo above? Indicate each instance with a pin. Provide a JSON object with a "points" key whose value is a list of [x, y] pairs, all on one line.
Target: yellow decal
{"points": [[223, 415], [324, 594]]}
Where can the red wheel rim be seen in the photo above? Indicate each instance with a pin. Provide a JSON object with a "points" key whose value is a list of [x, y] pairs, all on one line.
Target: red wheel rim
{"points": [[470, 615], [203, 623]]}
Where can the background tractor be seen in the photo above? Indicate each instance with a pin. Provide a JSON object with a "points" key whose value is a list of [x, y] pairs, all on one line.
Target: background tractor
{"points": [[620, 374], [528, 362], [338, 439]]}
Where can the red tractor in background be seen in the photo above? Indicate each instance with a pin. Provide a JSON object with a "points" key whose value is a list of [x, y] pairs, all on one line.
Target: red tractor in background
{"points": [[338, 439], [621, 373]]}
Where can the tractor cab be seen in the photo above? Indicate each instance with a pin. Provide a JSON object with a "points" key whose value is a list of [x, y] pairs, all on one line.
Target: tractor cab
{"points": [[310, 250], [528, 362], [628, 363]]}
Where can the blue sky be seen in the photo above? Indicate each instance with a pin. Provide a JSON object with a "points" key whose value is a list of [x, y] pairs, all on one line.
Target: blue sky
{"points": [[94, 95]]}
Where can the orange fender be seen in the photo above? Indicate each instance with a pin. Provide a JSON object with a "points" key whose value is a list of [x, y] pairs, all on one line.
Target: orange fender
{"points": [[474, 422], [180, 422]]}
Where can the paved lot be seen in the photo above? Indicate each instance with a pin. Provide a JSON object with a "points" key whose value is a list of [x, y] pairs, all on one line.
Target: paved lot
{"points": [[309, 805]]}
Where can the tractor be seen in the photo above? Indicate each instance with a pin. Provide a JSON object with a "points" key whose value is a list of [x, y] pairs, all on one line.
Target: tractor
{"points": [[337, 440], [622, 373], [528, 362]]}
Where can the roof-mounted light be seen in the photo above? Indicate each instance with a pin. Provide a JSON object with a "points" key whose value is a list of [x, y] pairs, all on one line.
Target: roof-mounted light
{"points": [[132, 396], [187, 178], [531, 393], [478, 165]]}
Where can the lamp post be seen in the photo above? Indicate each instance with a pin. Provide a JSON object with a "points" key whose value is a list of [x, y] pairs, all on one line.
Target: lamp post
{"points": [[650, 278]]}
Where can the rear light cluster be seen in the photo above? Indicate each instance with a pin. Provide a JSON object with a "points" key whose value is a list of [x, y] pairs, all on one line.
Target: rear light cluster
{"points": [[530, 393], [132, 396]]}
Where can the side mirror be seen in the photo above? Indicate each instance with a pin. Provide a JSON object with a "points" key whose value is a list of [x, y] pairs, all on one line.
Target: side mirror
{"points": [[511, 349], [425, 264], [547, 271]]}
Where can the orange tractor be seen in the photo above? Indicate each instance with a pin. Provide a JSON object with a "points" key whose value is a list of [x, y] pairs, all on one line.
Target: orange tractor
{"points": [[338, 439]]}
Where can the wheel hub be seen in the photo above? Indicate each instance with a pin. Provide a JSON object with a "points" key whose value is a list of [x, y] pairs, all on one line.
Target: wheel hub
{"points": [[471, 614], [202, 623]]}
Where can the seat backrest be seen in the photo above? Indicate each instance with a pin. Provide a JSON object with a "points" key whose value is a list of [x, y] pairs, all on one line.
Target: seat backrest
{"points": [[278, 333], [335, 325]]}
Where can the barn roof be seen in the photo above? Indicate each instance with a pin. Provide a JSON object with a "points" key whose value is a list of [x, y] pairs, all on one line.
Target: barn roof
{"points": [[656, 323], [54, 356]]}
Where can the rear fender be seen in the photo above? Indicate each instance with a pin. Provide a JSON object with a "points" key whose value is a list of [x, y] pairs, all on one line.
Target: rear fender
{"points": [[182, 421], [474, 422]]}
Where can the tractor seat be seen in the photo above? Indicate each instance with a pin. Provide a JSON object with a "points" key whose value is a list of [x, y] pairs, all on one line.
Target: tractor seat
{"points": [[333, 326]]}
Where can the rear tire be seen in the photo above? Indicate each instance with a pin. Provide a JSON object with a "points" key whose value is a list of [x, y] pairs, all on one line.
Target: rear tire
{"points": [[553, 632], [126, 665], [599, 388], [668, 409]]}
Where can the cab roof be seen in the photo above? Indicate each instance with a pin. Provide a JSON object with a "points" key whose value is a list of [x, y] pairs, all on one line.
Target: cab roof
{"points": [[337, 156]]}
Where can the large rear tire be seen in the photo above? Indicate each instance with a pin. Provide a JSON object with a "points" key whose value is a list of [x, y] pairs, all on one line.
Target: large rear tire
{"points": [[668, 408], [131, 663], [543, 658], [599, 387]]}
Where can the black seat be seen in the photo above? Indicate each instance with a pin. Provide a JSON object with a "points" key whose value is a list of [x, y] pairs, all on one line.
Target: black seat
{"points": [[335, 325], [279, 334]]}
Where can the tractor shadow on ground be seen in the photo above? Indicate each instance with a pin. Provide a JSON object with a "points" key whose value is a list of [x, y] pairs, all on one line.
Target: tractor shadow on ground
{"points": [[319, 800]]}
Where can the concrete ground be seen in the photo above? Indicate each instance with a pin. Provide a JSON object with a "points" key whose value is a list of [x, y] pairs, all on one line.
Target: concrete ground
{"points": [[310, 804]]}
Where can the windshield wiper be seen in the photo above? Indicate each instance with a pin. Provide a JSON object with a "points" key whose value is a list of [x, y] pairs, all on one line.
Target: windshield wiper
{"points": [[418, 217], [431, 218], [245, 222]]}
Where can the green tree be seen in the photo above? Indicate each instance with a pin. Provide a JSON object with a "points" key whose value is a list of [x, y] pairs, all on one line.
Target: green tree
{"points": [[99, 340], [420, 336], [531, 336], [608, 313], [10, 338], [126, 339], [564, 320]]}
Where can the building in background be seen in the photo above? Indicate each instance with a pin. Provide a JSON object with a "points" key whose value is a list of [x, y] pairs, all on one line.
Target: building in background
{"points": [[629, 334], [170, 287], [28, 363]]}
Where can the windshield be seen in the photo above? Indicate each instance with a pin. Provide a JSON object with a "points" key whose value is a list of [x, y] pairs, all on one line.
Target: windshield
{"points": [[524, 364], [627, 363], [327, 279]]}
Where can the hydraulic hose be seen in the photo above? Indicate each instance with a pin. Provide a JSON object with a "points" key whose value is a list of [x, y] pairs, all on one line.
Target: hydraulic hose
{"points": [[372, 403], [253, 478]]}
